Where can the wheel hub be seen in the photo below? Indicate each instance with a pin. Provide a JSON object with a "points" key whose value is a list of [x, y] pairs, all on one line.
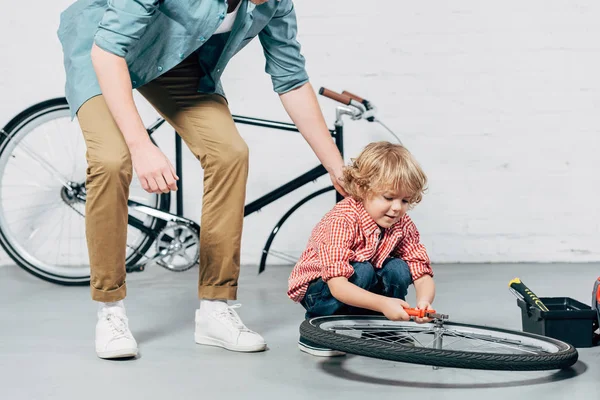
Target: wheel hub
{"points": [[74, 193]]}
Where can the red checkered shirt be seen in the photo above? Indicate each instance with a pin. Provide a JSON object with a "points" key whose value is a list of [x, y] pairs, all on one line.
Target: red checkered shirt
{"points": [[347, 234]]}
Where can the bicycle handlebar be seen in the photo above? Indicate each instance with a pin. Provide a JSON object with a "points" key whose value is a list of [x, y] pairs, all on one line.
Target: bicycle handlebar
{"points": [[342, 98], [363, 109], [355, 97]]}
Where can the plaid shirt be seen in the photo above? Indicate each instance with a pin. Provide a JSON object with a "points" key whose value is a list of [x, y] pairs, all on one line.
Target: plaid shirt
{"points": [[347, 234]]}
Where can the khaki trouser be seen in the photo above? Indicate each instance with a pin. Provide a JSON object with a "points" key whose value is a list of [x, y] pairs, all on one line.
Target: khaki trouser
{"points": [[205, 124]]}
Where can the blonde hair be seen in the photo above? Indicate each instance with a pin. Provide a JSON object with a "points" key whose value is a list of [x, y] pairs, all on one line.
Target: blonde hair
{"points": [[384, 166]]}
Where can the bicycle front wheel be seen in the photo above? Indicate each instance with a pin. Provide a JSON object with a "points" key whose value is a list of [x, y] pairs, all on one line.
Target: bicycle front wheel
{"points": [[42, 196], [447, 344]]}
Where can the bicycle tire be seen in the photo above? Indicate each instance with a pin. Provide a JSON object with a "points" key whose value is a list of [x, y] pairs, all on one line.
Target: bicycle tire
{"points": [[565, 357], [11, 130]]}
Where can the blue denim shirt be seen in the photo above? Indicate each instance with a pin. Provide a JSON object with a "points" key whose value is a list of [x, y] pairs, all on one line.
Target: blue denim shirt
{"points": [[155, 35]]}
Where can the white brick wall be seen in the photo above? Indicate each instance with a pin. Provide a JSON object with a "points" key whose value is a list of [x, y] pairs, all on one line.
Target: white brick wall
{"points": [[498, 100]]}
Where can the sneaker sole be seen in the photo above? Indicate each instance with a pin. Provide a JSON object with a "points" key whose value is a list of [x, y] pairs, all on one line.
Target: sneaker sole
{"points": [[319, 352], [123, 353], [208, 341]]}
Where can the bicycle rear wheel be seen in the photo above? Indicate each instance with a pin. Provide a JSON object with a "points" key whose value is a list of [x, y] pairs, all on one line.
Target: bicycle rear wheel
{"points": [[446, 345], [42, 197]]}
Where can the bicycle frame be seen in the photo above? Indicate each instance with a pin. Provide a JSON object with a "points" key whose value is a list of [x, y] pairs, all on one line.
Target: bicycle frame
{"points": [[276, 194], [256, 205]]}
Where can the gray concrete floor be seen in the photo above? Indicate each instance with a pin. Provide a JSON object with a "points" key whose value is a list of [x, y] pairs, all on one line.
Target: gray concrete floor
{"points": [[47, 352]]}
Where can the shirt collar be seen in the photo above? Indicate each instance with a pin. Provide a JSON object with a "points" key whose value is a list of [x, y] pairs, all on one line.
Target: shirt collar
{"points": [[367, 223]]}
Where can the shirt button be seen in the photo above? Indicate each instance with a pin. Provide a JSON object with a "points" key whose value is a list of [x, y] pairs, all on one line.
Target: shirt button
{"points": [[159, 68], [181, 55], [134, 82], [202, 38], [222, 16], [218, 69]]}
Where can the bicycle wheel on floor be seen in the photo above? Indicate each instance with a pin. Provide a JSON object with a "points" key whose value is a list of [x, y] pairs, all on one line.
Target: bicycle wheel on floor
{"points": [[42, 196], [289, 237], [446, 344]]}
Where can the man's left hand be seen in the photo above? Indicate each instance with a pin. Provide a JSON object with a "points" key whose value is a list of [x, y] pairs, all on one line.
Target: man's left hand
{"points": [[337, 178]]}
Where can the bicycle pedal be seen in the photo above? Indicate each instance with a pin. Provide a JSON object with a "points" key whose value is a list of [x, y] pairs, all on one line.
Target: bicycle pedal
{"points": [[136, 268]]}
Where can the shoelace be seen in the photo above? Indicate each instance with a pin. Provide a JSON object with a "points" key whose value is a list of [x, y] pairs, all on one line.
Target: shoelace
{"points": [[232, 318], [118, 324]]}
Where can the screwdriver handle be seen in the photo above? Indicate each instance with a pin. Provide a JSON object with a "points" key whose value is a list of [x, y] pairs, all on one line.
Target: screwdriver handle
{"points": [[526, 294]]}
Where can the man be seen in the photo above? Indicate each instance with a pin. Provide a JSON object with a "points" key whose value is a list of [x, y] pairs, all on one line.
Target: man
{"points": [[174, 53]]}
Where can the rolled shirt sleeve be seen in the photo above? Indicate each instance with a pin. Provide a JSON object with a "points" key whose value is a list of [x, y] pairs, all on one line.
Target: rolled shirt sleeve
{"points": [[334, 250], [284, 62], [413, 252], [123, 24]]}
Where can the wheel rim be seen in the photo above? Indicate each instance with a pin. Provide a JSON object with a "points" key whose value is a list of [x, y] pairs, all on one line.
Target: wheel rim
{"points": [[41, 221]]}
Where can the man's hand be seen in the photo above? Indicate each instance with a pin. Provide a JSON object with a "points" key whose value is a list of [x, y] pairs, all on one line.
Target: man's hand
{"points": [[153, 168], [337, 178], [423, 305], [393, 309]]}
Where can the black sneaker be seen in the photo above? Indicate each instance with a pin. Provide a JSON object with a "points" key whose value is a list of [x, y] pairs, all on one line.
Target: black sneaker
{"points": [[317, 350]]}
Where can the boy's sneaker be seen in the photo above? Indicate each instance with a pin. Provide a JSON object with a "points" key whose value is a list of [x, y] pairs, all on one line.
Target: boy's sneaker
{"points": [[222, 327], [317, 350], [113, 337]]}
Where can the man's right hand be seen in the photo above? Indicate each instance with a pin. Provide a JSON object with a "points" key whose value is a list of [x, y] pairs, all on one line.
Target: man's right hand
{"points": [[153, 168], [393, 309]]}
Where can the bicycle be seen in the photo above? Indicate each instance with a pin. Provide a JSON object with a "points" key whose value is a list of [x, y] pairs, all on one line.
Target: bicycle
{"points": [[27, 148]]}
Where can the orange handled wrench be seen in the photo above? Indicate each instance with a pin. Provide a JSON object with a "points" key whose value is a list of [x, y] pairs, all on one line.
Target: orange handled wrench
{"points": [[414, 312]]}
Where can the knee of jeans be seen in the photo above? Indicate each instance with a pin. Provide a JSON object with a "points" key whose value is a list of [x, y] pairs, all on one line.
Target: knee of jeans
{"points": [[364, 275], [397, 273]]}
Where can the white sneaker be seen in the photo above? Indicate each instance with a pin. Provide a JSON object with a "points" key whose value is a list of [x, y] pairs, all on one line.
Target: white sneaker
{"points": [[113, 337], [314, 349], [222, 327]]}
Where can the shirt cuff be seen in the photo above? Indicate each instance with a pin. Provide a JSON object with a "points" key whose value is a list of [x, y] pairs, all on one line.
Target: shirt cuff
{"points": [[337, 270], [282, 86], [418, 270], [111, 46]]}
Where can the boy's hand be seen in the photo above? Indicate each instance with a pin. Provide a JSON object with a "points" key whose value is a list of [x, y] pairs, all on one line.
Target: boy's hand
{"points": [[393, 309], [423, 305]]}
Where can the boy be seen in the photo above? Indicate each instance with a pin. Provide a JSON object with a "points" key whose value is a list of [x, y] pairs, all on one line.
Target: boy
{"points": [[365, 252]]}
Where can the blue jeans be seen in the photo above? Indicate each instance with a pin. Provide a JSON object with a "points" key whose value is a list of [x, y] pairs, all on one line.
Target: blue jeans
{"points": [[392, 280]]}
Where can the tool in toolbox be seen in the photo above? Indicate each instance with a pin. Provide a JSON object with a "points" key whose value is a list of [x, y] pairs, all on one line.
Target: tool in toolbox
{"points": [[521, 291]]}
